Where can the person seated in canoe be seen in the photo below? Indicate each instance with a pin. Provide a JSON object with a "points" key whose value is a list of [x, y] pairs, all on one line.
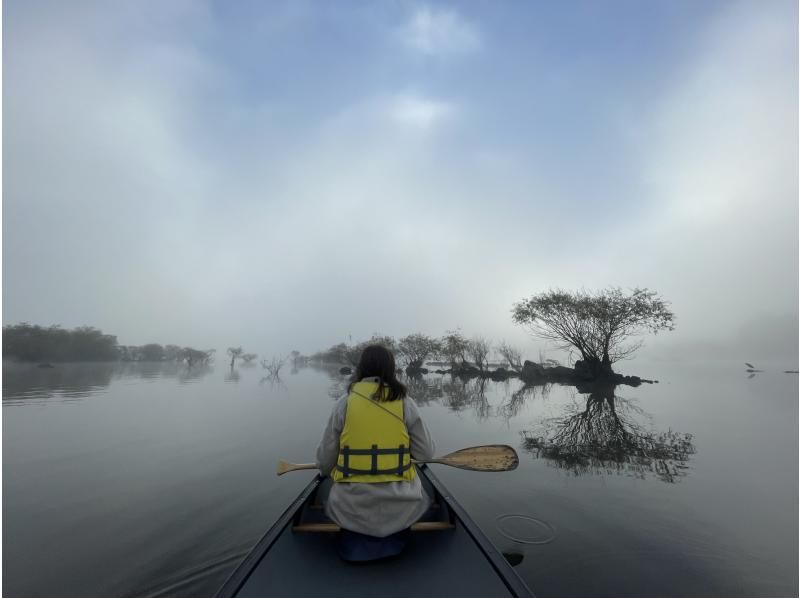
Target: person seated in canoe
{"points": [[372, 434]]}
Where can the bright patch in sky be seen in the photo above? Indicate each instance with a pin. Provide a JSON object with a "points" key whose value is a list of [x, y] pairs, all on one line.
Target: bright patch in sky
{"points": [[438, 30]]}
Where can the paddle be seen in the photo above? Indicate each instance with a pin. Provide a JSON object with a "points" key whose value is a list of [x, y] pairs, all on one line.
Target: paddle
{"points": [[490, 457]]}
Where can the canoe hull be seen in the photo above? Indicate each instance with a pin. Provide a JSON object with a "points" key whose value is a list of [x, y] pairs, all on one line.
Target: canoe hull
{"points": [[459, 560]]}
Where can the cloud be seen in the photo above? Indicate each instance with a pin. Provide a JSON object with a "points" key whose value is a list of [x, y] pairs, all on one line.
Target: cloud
{"points": [[439, 31], [401, 115], [154, 191], [417, 111], [716, 230]]}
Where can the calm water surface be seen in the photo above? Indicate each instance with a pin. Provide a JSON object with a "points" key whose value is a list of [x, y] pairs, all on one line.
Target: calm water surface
{"points": [[151, 480]]}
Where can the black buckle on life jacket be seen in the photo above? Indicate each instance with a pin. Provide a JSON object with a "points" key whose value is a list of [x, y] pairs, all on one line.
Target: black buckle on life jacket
{"points": [[373, 452]]}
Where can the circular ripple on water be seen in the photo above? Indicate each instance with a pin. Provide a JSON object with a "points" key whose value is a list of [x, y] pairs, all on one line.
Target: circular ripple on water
{"points": [[525, 530]]}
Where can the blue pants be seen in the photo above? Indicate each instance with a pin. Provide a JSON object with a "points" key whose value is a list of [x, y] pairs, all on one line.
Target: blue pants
{"points": [[359, 548]]}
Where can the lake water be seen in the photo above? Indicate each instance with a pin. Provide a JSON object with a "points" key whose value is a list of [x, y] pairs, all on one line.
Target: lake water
{"points": [[152, 480]]}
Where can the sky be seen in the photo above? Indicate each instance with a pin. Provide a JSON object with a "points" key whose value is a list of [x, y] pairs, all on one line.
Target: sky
{"points": [[289, 175]]}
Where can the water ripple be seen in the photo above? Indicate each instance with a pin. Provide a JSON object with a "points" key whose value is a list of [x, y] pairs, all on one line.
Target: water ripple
{"points": [[525, 529]]}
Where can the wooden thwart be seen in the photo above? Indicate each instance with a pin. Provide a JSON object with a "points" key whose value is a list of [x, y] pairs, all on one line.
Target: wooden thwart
{"points": [[420, 526]]}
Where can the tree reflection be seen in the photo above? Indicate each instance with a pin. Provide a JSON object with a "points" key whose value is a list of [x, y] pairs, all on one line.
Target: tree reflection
{"points": [[460, 394], [275, 383], [511, 407], [192, 374], [605, 436], [72, 381], [422, 390], [78, 380]]}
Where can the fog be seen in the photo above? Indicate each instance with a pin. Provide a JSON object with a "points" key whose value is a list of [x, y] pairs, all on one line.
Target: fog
{"points": [[288, 175]]}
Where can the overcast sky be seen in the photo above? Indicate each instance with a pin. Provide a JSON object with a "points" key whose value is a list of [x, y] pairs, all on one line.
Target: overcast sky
{"points": [[282, 175]]}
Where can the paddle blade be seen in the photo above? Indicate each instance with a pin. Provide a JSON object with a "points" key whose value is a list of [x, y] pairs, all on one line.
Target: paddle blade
{"points": [[284, 467], [491, 457]]}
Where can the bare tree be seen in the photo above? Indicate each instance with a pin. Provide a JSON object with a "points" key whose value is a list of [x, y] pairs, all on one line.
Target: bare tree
{"points": [[235, 353], [453, 347], [598, 325], [478, 351], [414, 349], [273, 367], [511, 355], [193, 356]]}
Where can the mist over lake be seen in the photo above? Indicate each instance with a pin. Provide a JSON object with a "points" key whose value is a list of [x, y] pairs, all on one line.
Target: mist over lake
{"points": [[154, 480]]}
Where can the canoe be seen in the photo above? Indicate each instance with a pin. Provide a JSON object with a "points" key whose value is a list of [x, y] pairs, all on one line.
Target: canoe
{"points": [[446, 554]]}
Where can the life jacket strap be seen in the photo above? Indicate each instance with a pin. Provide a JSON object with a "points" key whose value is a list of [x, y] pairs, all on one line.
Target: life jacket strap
{"points": [[373, 452]]}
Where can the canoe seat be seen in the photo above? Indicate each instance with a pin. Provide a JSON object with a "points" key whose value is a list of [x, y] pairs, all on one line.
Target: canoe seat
{"points": [[420, 526], [319, 507]]}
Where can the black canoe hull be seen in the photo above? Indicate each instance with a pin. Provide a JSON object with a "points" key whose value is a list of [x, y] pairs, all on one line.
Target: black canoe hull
{"points": [[459, 561]]}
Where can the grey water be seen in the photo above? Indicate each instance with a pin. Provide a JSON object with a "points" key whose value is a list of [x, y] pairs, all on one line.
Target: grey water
{"points": [[155, 480]]}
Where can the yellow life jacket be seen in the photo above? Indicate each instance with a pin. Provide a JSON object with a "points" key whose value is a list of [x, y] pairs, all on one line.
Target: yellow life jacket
{"points": [[374, 445]]}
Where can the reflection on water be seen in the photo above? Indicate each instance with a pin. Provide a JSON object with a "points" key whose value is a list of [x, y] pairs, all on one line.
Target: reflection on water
{"points": [[65, 382], [275, 384], [605, 433], [463, 394], [524, 529], [522, 396], [157, 487], [424, 390], [23, 383], [233, 376]]}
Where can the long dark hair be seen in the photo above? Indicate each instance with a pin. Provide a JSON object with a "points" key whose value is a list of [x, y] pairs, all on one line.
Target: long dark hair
{"points": [[378, 361]]}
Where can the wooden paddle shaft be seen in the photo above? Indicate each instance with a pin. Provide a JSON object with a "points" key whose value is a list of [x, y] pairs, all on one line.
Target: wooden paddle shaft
{"points": [[491, 457]]}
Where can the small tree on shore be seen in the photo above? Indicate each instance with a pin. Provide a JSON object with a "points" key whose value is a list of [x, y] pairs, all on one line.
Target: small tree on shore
{"points": [[478, 351], [235, 353], [511, 355], [194, 356], [152, 352], [297, 358], [598, 325], [414, 349], [172, 353], [273, 367], [249, 357], [453, 347]]}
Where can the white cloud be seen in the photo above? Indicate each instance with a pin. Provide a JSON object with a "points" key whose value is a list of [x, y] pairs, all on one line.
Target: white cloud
{"points": [[409, 114], [435, 31], [417, 111], [146, 203], [717, 232]]}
